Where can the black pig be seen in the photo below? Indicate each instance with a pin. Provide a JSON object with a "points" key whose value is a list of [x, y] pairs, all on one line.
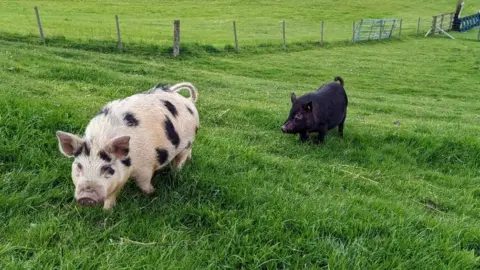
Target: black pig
{"points": [[319, 111]]}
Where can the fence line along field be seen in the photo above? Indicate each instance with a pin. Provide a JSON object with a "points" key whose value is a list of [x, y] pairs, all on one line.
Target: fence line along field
{"points": [[400, 190], [80, 21]]}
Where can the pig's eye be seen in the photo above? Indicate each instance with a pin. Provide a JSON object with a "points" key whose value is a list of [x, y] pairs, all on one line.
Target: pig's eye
{"points": [[107, 169], [80, 167]]}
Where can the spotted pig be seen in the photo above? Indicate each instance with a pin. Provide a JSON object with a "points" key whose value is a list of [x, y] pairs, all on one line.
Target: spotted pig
{"points": [[131, 138]]}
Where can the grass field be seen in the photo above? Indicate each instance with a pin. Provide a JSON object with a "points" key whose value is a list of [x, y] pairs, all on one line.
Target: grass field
{"points": [[210, 22], [404, 195]]}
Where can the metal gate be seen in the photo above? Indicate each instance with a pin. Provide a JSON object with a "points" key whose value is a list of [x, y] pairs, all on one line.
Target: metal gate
{"points": [[371, 29]]}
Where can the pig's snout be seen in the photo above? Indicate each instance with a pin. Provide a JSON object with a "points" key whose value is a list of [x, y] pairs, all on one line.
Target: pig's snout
{"points": [[85, 201], [89, 197], [287, 127]]}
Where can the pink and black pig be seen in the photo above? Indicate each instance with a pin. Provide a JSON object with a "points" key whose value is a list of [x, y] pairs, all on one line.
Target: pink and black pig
{"points": [[319, 112], [131, 138]]}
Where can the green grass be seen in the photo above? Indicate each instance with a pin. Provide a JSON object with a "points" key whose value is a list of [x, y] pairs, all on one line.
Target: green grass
{"points": [[210, 22], [384, 197]]}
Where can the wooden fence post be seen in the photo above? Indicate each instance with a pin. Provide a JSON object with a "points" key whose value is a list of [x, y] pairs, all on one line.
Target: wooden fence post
{"points": [[456, 17], [418, 26], [381, 30], [321, 34], [42, 37], [353, 35], [441, 21], [284, 37], [176, 37], [235, 35], [478, 33], [120, 46], [400, 30]]}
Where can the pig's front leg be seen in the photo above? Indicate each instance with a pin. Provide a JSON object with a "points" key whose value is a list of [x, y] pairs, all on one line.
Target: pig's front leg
{"points": [[322, 133], [110, 202], [303, 137], [112, 198]]}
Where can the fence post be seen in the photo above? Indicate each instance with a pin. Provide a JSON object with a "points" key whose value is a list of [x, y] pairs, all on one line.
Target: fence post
{"points": [[381, 30], [478, 33], [284, 38], [235, 35], [400, 30], [176, 37], [42, 37], [120, 46], [321, 34], [456, 16], [441, 21], [353, 35], [418, 26]]}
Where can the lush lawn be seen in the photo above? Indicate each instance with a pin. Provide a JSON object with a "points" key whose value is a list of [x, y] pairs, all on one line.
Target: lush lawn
{"points": [[404, 195]]}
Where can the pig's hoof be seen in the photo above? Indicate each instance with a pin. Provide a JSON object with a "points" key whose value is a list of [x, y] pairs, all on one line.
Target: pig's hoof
{"points": [[108, 205], [148, 190]]}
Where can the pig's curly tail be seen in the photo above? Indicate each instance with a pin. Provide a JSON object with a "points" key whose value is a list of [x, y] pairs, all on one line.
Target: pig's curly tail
{"points": [[175, 88], [185, 85], [339, 79]]}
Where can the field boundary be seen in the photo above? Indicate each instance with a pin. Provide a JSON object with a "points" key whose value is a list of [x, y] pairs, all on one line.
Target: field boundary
{"points": [[190, 48]]}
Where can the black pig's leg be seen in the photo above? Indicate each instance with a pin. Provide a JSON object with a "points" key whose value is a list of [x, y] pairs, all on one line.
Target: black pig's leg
{"points": [[340, 127], [322, 133], [303, 137]]}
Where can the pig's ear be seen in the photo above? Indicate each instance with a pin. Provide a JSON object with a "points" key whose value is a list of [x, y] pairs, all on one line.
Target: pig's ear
{"points": [[119, 146], [308, 106], [293, 97], [68, 143]]}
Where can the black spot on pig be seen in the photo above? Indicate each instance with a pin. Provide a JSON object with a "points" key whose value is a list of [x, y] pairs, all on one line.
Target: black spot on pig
{"points": [[107, 169], [318, 111], [104, 110], [130, 120], [162, 155], [162, 86], [127, 162], [172, 133], [78, 152], [84, 149], [171, 108], [189, 110], [126, 151], [103, 155]]}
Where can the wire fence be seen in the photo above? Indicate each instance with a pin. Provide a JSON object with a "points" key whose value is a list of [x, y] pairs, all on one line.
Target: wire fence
{"points": [[120, 31]]}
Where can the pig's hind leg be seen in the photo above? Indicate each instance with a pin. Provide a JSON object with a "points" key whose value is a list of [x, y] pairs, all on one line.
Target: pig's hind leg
{"points": [[180, 159], [143, 178], [340, 126]]}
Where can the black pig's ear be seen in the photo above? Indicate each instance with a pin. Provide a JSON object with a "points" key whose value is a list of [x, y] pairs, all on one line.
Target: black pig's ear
{"points": [[308, 106], [293, 97]]}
